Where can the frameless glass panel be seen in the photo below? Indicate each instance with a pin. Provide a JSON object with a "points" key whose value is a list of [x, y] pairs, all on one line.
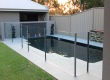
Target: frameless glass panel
{"points": [[33, 35], [89, 54], [12, 30], [82, 53], [96, 52], [60, 51], [24, 35], [8, 30]]}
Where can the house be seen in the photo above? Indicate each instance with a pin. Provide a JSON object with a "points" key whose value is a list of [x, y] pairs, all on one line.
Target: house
{"points": [[19, 11]]}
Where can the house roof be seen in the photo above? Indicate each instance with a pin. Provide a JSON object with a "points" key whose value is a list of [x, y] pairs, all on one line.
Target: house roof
{"points": [[22, 5]]}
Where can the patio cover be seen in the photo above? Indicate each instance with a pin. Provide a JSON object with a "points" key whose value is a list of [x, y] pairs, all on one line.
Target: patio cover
{"points": [[22, 5]]}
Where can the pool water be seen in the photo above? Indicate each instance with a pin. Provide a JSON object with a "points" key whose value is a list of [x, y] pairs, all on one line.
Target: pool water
{"points": [[66, 49]]}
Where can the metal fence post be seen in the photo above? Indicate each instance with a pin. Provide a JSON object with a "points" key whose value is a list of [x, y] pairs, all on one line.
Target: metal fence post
{"points": [[45, 41], [75, 43], [12, 39], [5, 30], [88, 52], [28, 37], [11, 34], [21, 38]]}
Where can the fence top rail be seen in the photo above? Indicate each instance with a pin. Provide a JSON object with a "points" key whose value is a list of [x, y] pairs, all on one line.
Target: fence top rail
{"points": [[30, 22]]}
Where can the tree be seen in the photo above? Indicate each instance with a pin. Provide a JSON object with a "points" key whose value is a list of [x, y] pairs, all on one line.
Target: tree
{"points": [[86, 4], [74, 6], [40, 1], [52, 4], [70, 7]]}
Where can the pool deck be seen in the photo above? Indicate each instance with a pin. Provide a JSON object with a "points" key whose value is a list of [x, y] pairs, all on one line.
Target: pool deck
{"points": [[79, 40], [62, 68]]}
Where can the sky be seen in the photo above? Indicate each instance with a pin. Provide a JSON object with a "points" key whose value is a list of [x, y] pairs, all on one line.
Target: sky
{"points": [[62, 1]]}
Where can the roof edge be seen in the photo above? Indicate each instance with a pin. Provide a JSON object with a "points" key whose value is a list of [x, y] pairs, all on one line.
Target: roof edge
{"points": [[27, 10]]}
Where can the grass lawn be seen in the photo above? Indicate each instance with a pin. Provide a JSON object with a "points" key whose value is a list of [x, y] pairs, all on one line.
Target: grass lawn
{"points": [[15, 67]]}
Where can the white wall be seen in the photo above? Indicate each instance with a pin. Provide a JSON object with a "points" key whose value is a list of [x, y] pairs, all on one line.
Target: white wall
{"points": [[62, 24], [99, 18], [8, 17], [80, 22], [47, 16]]}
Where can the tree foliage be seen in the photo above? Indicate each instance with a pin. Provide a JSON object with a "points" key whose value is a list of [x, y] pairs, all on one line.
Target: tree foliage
{"points": [[75, 6], [86, 4], [70, 7]]}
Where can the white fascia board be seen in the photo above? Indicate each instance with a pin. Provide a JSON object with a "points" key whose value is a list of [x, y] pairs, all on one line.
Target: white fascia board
{"points": [[23, 10]]}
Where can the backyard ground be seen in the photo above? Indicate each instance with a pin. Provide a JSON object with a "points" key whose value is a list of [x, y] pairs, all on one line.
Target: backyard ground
{"points": [[15, 67]]}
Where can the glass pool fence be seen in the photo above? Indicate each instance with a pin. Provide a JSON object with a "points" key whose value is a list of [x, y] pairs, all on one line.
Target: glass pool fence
{"points": [[75, 53]]}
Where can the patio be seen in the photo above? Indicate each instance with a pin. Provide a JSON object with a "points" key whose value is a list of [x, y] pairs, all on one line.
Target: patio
{"points": [[58, 66]]}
